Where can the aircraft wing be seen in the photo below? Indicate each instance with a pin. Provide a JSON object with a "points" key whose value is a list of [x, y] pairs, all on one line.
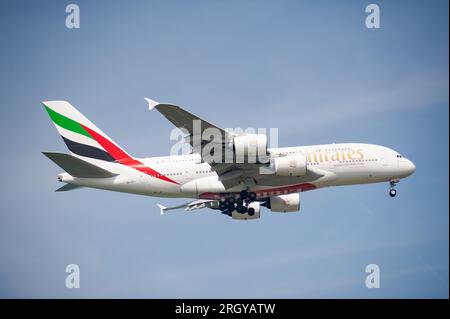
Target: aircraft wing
{"points": [[194, 127], [185, 120], [231, 173], [196, 204]]}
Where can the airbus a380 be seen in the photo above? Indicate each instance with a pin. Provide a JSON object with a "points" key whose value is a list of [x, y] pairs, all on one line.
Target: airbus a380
{"points": [[237, 186]]}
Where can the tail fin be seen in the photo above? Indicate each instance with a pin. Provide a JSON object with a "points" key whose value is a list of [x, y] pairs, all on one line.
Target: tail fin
{"points": [[81, 136]]}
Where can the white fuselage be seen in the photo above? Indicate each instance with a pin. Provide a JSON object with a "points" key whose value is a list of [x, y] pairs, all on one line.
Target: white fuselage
{"points": [[338, 164]]}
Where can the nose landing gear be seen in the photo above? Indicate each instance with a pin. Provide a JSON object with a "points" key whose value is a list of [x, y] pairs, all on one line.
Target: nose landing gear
{"points": [[393, 191]]}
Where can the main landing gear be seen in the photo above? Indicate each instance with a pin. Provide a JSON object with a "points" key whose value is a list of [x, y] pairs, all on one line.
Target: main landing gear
{"points": [[393, 191], [239, 204]]}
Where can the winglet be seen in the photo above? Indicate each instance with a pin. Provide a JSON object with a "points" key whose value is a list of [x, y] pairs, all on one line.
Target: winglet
{"points": [[151, 103], [162, 208]]}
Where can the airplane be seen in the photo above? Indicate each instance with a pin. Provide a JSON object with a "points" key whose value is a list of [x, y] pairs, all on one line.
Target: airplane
{"points": [[251, 176]]}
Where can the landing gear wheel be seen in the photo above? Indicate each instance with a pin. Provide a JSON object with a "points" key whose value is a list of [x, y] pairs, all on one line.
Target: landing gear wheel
{"points": [[251, 211], [239, 202], [243, 194], [223, 206], [252, 196], [229, 205], [231, 200], [241, 209], [392, 192]]}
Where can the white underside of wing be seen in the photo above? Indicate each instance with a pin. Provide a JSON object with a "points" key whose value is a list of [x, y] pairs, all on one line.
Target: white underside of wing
{"points": [[196, 204]]}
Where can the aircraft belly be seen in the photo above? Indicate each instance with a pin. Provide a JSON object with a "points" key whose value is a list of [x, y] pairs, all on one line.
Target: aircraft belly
{"points": [[138, 184]]}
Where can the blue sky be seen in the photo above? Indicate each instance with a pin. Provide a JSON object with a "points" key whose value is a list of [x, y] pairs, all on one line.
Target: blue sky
{"points": [[309, 68]]}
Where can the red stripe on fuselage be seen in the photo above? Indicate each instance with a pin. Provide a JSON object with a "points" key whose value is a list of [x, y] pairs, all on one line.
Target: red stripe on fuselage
{"points": [[262, 193], [123, 158]]}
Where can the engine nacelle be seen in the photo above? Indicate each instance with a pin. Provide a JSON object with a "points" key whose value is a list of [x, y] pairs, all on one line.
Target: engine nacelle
{"points": [[246, 216], [285, 203], [250, 147], [290, 165], [202, 185]]}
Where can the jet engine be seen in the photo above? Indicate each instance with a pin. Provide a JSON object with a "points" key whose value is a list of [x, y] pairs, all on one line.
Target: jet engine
{"points": [[290, 165], [285, 203], [250, 148]]}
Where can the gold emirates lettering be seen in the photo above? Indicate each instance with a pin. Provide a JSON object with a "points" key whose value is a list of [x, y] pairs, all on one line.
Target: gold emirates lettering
{"points": [[335, 156]]}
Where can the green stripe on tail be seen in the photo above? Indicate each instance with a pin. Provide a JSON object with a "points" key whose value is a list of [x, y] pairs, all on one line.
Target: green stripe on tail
{"points": [[66, 123]]}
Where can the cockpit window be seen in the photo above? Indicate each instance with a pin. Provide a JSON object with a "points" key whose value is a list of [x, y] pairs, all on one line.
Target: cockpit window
{"points": [[399, 156]]}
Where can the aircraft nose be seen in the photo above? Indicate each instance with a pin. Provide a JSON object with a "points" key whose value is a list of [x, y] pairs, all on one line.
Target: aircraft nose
{"points": [[408, 167], [412, 167]]}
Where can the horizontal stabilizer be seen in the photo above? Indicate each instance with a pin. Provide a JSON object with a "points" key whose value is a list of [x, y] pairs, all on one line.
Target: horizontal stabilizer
{"points": [[68, 187], [77, 167]]}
